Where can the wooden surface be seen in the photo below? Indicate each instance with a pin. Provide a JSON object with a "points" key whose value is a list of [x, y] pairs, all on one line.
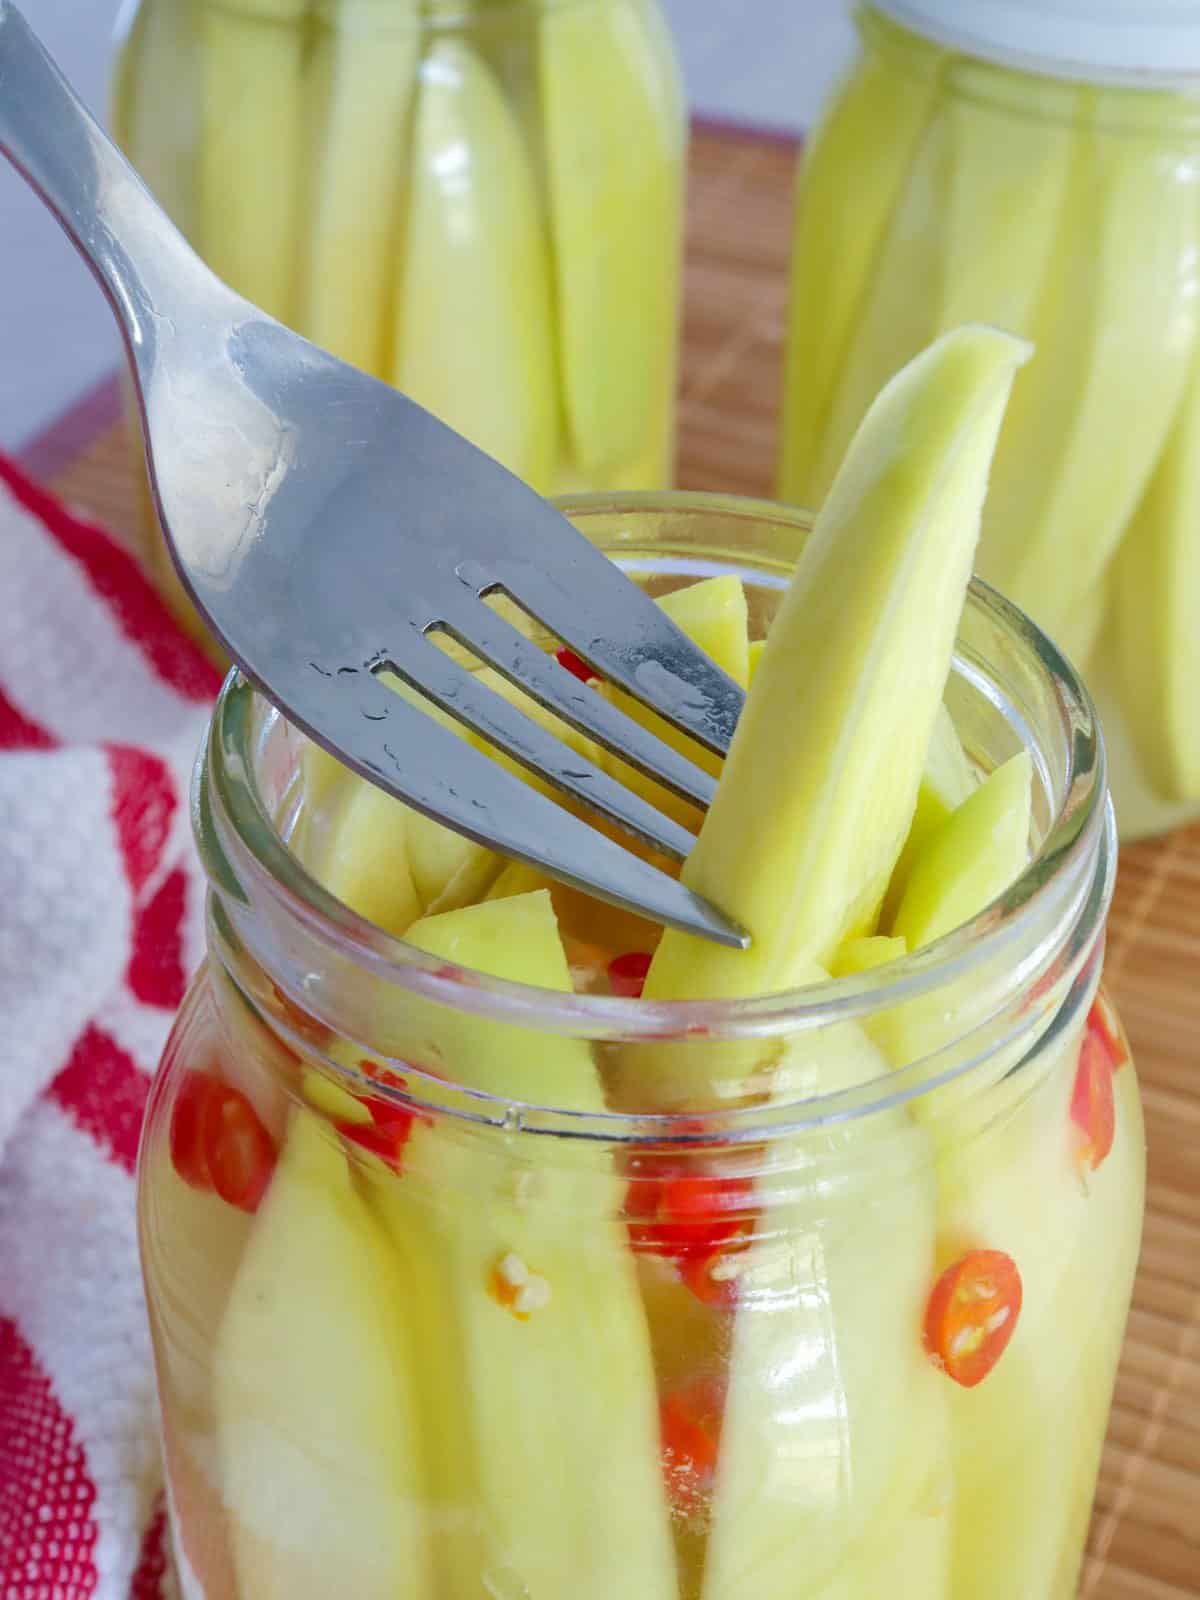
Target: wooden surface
{"points": [[1145, 1535]]}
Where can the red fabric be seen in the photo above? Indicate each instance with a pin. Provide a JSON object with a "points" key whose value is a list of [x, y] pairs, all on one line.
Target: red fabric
{"points": [[47, 1529], [102, 900]]}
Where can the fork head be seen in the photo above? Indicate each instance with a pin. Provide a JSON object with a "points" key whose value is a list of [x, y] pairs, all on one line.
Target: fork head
{"points": [[348, 530]]}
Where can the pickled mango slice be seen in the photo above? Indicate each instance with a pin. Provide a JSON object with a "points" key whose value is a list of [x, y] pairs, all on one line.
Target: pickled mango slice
{"points": [[547, 1441], [896, 318], [971, 858], [1155, 599], [803, 833], [1117, 319], [157, 109], [833, 1414], [713, 614], [1011, 148], [473, 335], [318, 1442], [945, 783], [253, 145], [608, 88], [872, 129], [1075, 1243], [362, 75]]}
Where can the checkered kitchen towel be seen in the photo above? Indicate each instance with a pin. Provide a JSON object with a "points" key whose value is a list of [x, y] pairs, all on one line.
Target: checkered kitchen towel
{"points": [[102, 707]]}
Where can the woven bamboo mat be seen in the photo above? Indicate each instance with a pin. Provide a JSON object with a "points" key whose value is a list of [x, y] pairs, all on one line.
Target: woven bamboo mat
{"points": [[1145, 1536]]}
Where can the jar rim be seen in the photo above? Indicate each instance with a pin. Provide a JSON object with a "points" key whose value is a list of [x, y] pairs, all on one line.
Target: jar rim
{"points": [[240, 843]]}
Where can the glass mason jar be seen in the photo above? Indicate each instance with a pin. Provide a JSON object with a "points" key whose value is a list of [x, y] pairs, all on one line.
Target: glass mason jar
{"points": [[480, 201], [998, 163], [450, 1298]]}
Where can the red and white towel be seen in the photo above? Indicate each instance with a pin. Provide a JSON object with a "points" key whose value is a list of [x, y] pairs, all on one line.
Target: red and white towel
{"points": [[102, 706]]}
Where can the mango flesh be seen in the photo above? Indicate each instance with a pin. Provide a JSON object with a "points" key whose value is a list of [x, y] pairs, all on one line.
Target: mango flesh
{"points": [[473, 312], [362, 73], [801, 840], [539, 1398], [830, 1392], [614, 226], [314, 1395], [1155, 599], [834, 245], [252, 148]]}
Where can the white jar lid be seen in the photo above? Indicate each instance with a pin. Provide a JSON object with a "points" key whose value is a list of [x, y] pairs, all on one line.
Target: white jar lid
{"points": [[1121, 41]]}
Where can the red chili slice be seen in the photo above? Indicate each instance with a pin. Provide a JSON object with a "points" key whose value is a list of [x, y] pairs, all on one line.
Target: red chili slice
{"points": [[627, 973], [972, 1314], [385, 1135], [1093, 1108], [1102, 1024], [188, 1155], [690, 1423], [239, 1150], [692, 1218], [574, 664]]}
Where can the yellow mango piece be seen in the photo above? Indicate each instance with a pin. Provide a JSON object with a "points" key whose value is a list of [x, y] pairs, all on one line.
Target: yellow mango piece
{"points": [[318, 1444], [527, 1279], [362, 73], [864, 955], [1011, 148], [753, 657], [1074, 1237], [871, 129], [615, 134], [803, 833], [1155, 616], [1117, 317], [897, 319], [945, 783], [253, 147], [367, 863], [331, 1099], [971, 858], [834, 1418], [473, 337], [157, 109], [713, 614]]}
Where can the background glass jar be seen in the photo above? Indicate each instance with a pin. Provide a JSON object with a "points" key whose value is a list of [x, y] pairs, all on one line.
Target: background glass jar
{"points": [[446, 1301], [480, 201], [943, 187]]}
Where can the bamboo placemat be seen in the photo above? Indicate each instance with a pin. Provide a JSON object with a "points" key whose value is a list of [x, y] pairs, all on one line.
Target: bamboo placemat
{"points": [[1145, 1535]]}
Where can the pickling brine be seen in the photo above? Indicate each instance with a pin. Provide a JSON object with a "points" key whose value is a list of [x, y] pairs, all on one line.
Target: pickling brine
{"points": [[481, 203], [954, 176]]}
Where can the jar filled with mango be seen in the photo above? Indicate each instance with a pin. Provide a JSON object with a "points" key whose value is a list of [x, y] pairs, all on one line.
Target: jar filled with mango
{"points": [[479, 201], [1037, 168]]}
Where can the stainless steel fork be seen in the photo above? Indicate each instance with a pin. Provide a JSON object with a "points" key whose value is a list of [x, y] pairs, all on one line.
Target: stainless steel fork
{"points": [[327, 528]]}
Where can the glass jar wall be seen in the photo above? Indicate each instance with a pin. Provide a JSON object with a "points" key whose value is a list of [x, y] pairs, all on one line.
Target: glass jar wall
{"points": [[479, 201], [452, 1296], [941, 188]]}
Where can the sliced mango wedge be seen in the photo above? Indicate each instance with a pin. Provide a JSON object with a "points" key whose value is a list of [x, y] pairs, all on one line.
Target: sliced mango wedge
{"points": [[805, 830], [831, 1399], [252, 148], [314, 1395], [473, 335], [872, 129], [361, 75], [1117, 317], [615, 225], [1155, 600], [528, 1277]]}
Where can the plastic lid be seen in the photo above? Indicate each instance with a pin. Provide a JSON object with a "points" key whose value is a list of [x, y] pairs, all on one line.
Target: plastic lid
{"points": [[1121, 41]]}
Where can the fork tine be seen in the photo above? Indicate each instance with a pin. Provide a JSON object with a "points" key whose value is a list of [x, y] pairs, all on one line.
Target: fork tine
{"points": [[458, 691], [536, 672], [575, 590], [400, 747]]}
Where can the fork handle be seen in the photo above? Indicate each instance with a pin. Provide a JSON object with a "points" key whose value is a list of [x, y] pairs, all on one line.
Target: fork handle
{"points": [[140, 258]]}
